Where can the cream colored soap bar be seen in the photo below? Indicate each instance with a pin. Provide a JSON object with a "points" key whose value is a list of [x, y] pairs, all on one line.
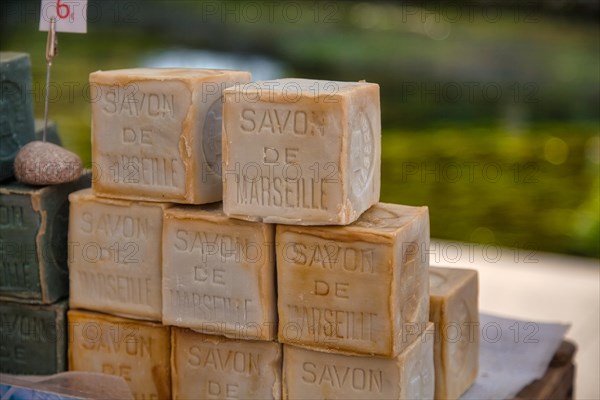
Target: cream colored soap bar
{"points": [[156, 133], [214, 367], [301, 152], [137, 351], [219, 273], [115, 255], [358, 289], [454, 311], [314, 375]]}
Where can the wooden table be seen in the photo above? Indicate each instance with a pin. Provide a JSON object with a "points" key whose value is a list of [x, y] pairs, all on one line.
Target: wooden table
{"points": [[559, 380]]}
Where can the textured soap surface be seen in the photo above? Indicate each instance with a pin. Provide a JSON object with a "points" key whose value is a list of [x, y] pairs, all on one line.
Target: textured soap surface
{"points": [[454, 310], [156, 133], [315, 375], [33, 241], [115, 260], [137, 351], [207, 367], [358, 289], [299, 151], [16, 110], [33, 338], [219, 273]]}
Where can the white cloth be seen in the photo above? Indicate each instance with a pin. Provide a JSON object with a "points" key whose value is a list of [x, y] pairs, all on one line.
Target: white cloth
{"points": [[513, 354]]}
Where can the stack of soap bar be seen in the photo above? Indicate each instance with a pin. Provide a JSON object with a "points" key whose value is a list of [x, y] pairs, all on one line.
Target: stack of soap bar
{"points": [[16, 110], [33, 241], [137, 351], [156, 133], [115, 260], [207, 367], [218, 273], [33, 338], [357, 289], [298, 151], [454, 311], [309, 374]]}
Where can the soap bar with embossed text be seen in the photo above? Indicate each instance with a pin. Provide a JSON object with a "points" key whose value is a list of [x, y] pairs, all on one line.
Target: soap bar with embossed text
{"points": [[115, 255], [33, 338], [218, 273], [314, 375], [358, 289], [33, 241], [207, 367], [301, 152], [156, 133], [455, 313], [16, 110], [137, 351]]}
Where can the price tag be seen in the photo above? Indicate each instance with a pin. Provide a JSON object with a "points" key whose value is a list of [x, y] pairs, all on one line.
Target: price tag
{"points": [[71, 15]]}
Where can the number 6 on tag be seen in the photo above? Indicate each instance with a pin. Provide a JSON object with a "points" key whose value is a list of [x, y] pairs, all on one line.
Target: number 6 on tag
{"points": [[71, 15]]}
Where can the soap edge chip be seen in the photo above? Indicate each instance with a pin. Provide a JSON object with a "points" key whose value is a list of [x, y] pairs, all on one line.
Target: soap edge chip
{"points": [[346, 212], [370, 195], [190, 165], [177, 332], [88, 195], [350, 233], [266, 278], [467, 277], [108, 319], [46, 264]]}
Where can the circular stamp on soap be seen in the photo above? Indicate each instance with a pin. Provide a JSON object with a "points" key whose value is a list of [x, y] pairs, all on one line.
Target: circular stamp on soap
{"points": [[412, 284], [459, 349], [362, 153], [380, 218], [11, 119], [211, 137]]}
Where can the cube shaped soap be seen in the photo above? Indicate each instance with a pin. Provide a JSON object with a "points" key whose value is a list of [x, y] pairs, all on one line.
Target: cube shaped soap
{"points": [[218, 273], [115, 260], [309, 374], [33, 241], [357, 289], [301, 152], [16, 110], [214, 367], [34, 338], [454, 310], [156, 133], [137, 351]]}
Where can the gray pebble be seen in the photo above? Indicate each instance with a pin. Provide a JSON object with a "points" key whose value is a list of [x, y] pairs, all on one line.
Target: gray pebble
{"points": [[44, 163]]}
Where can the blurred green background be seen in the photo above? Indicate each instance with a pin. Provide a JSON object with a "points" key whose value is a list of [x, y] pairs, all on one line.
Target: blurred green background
{"points": [[490, 110]]}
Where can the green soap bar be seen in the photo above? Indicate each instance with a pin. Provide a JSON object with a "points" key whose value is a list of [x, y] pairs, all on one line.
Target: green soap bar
{"points": [[33, 241], [34, 338], [51, 135], [16, 110]]}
